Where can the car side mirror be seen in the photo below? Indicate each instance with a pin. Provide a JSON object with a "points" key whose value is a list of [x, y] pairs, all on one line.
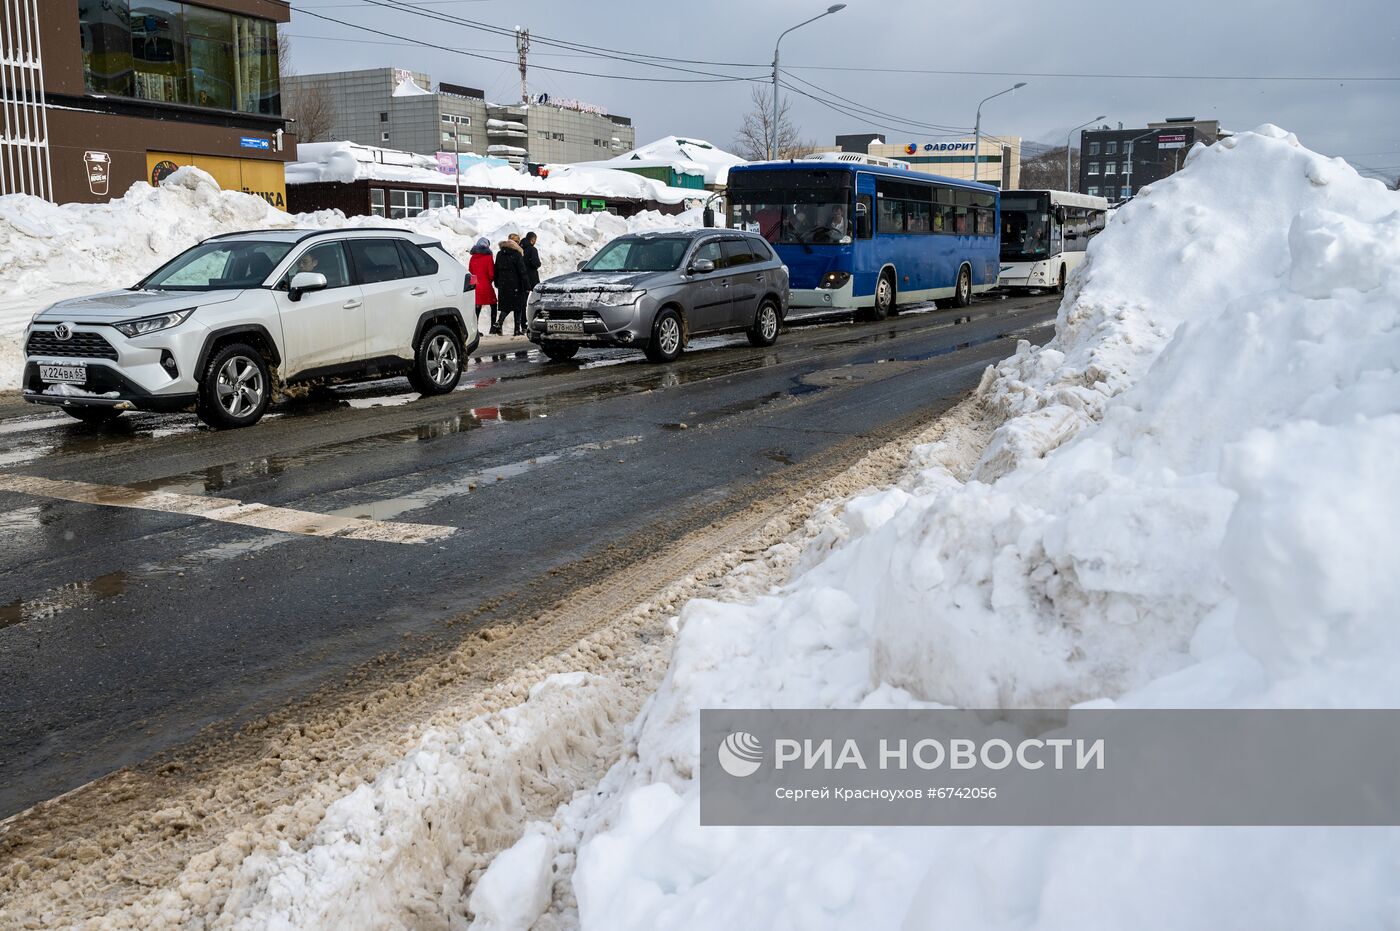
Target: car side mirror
{"points": [[1060, 214], [582, 265], [304, 282], [702, 266]]}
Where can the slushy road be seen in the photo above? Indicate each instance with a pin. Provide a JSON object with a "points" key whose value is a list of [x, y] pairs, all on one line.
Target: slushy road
{"points": [[157, 578]]}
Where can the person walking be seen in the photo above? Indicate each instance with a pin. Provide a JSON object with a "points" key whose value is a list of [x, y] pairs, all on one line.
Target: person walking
{"points": [[532, 258], [512, 282], [483, 269]]}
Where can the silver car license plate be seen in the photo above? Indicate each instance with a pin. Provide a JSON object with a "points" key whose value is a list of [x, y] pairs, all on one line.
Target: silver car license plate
{"points": [[65, 374], [565, 326]]}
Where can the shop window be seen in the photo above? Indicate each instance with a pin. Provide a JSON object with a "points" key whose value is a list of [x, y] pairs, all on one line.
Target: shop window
{"points": [[537, 201], [158, 52], [210, 37], [569, 205], [173, 52]]}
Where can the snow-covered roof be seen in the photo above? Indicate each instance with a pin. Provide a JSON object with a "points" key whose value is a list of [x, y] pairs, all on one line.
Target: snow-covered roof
{"points": [[675, 151], [409, 88], [347, 162]]}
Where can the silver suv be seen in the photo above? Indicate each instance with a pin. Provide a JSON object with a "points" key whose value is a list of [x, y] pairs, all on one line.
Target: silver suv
{"points": [[655, 291], [219, 327]]}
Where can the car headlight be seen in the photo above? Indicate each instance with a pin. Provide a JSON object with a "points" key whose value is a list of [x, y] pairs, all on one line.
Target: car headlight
{"points": [[534, 295], [153, 324], [619, 298], [833, 280]]}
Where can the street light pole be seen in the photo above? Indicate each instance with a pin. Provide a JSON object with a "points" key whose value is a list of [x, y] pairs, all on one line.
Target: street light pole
{"points": [[1131, 152], [1068, 184], [773, 126], [977, 129]]}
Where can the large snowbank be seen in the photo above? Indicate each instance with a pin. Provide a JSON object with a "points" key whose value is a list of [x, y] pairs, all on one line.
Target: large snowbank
{"points": [[49, 252], [345, 162], [1190, 503], [673, 150]]}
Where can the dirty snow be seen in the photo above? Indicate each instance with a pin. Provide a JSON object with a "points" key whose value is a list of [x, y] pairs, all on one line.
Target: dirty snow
{"points": [[50, 252], [1189, 501]]}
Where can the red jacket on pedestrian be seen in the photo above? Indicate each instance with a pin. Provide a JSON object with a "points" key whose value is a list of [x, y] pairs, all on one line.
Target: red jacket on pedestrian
{"points": [[483, 269]]}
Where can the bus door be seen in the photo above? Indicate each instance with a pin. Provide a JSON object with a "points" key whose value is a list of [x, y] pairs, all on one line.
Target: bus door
{"points": [[865, 262], [1057, 230]]}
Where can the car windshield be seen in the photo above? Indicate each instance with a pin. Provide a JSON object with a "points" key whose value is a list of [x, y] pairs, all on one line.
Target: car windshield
{"points": [[631, 254], [214, 266]]}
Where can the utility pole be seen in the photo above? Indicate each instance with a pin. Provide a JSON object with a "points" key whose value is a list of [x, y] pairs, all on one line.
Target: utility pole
{"points": [[1069, 184], [977, 129], [773, 127], [522, 48]]}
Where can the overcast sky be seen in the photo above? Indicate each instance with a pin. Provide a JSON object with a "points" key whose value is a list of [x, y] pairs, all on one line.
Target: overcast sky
{"points": [[1341, 40]]}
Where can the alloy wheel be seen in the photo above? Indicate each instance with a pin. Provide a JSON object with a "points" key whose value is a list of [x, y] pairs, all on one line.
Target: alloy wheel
{"points": [[443, 363], [240, 386], [669, 335]]}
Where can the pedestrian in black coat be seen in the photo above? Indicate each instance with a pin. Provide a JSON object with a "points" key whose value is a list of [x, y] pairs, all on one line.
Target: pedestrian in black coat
{"points": [[512, 282], [532, 258]]}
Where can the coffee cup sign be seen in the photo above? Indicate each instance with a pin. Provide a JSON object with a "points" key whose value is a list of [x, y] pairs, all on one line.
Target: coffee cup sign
{"points": [[99, 170]]}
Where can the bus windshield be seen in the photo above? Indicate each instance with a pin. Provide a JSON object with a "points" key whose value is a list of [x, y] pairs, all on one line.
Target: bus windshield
{"points": [[1025, 227], [803, 207]]}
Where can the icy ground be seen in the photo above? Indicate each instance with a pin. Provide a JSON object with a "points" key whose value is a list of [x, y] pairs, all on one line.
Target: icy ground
{"points": [[50, 252], [1189, 500]]}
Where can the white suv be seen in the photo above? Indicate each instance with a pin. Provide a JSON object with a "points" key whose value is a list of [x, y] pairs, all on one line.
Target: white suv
{"points": [[225, 323]]}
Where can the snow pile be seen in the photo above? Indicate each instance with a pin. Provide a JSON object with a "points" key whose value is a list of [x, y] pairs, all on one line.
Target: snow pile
{"points": [[344, 162], [50, 252], [408, 87], [1192, 504], [713, 161]]}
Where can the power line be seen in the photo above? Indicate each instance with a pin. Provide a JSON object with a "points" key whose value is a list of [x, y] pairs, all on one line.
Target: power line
{"points": [[872, 110], [858, 115], [592, 74], [1121, 77], [651, 61]]}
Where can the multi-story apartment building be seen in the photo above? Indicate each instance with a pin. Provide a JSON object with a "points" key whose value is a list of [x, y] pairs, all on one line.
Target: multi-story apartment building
{"points": [[1117, 163], [99, 94], [404, 110]]}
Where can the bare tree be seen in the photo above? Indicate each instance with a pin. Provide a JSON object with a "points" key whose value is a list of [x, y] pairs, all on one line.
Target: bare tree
{"points": [[310, 107], [1046, 171], [751, 141]]}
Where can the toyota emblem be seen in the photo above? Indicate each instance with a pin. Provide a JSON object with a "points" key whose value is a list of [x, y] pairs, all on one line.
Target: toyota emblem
{"points": [[63, 332]]}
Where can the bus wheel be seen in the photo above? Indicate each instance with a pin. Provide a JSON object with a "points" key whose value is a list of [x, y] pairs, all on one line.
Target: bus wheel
{"points": [[884, 297], [963, 295], [1060, 284]]}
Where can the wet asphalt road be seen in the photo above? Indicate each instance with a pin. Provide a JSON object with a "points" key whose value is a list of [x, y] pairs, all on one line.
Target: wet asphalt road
{"points": [[124, 632]]}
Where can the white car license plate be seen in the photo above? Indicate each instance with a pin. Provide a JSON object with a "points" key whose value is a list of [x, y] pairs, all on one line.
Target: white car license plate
{"points": [[565, 326], [66, 374]]}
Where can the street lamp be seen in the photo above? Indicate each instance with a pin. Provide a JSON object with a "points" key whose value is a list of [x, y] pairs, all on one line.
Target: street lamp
{"points": [[1068, 183], [1129, 150], [977, 129], [773, 128]]}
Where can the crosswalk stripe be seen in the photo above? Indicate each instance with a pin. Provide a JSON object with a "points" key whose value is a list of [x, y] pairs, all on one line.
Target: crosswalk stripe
{"points": [[228, 511]]}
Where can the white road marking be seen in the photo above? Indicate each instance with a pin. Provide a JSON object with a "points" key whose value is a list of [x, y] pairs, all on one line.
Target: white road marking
{"points": [[228, 511]]}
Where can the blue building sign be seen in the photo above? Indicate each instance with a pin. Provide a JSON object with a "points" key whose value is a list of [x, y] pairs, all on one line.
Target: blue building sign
{"points": [[253, 142]]}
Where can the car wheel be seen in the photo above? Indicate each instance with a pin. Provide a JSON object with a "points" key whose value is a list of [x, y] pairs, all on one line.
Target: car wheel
{"points": [[764, 331], [962, 296], [666, 337], [93, 415], [559, 352], [235, 389], [437, 365], [884, 297]]}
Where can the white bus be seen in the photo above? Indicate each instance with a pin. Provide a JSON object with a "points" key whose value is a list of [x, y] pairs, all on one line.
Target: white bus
{"points": [[1044, 235]]}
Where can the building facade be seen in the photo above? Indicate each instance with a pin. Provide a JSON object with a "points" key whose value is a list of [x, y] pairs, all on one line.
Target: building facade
{"points": [[997, 162], [402, 110], [1117, 163], [100, 94]]}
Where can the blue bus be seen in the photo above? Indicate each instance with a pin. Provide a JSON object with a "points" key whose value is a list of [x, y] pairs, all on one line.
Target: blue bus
{"points": [[858, 232]]}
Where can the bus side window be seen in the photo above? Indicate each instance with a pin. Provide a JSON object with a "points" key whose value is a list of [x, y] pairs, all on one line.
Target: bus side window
{"points": [[863, 224]]}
